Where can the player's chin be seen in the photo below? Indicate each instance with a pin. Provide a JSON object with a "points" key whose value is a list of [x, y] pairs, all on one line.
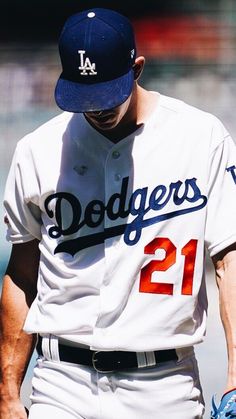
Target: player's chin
{"points": [[106, 126], [104, 123]]}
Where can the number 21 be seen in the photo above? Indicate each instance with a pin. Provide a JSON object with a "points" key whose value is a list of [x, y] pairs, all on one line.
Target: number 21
{"points": [[188, 251]]}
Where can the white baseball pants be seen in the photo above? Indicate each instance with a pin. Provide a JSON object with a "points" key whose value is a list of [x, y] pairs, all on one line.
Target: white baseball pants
{"points": [[68, 391]]}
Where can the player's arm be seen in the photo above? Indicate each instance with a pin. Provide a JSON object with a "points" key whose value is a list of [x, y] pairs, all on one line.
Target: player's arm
{"points": [[16, 347], [225, 266]]}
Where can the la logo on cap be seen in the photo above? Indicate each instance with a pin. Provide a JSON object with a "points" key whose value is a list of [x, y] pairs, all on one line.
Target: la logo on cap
{"points": [[86, 66]]}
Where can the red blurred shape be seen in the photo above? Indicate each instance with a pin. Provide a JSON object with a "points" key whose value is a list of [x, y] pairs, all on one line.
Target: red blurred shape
{"points": [[181, 37]]}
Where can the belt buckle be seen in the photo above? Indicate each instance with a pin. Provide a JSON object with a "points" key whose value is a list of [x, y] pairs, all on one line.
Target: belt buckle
{"points": [[96, 360]]}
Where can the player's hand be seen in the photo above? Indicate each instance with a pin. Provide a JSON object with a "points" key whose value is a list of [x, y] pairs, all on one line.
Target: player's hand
{"points": [[226, 408], [12, 410]]}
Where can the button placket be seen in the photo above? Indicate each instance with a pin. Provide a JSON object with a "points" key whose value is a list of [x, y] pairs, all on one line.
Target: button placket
{"points": [[113, 178]]}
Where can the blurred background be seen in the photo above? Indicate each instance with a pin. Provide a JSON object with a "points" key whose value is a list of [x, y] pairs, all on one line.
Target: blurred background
{"points": [[190, 47]]}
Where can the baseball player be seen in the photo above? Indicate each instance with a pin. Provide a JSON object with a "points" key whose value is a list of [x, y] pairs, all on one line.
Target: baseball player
{"points": [[110, 207]]}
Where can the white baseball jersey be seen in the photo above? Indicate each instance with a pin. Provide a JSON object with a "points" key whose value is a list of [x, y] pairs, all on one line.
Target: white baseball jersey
{"points": [[123, 227]]}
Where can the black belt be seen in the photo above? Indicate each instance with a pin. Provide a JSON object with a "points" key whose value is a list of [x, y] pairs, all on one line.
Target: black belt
{"points": [[106, 361]]}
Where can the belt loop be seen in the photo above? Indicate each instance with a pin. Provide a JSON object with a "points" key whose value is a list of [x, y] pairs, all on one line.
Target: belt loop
{"points": [[146, 359], [54, 348], [151, 360], [141, 359], [46, 346]]}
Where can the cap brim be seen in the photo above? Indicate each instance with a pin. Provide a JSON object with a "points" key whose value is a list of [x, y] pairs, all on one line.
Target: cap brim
{"points": [[77, 97]]}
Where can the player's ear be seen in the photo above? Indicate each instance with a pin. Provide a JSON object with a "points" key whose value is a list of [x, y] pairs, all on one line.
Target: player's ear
{"points": [[138, 67]]}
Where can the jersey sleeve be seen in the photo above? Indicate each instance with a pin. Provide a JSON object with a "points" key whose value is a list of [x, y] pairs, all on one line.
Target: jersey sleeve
{"points": [[22, 214], [221, 209]]}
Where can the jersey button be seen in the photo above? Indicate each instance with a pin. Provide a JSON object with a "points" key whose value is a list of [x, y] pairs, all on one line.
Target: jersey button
{"points": [[116, 154], [117, 177]]}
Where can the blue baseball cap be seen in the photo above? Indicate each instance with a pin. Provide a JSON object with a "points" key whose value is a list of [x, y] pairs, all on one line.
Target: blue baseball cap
{"points": [[97, 50]]}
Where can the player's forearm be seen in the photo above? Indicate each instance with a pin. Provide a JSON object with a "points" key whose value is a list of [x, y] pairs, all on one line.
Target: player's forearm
{"points": [[15, 345], [226, 279]]}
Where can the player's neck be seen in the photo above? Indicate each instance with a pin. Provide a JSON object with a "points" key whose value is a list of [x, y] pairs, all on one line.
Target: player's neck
{"points": [[141, 106], [146, 104]]}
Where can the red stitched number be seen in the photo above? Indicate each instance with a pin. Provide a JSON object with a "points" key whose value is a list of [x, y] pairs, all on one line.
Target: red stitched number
{"points": [[189, 251]]}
